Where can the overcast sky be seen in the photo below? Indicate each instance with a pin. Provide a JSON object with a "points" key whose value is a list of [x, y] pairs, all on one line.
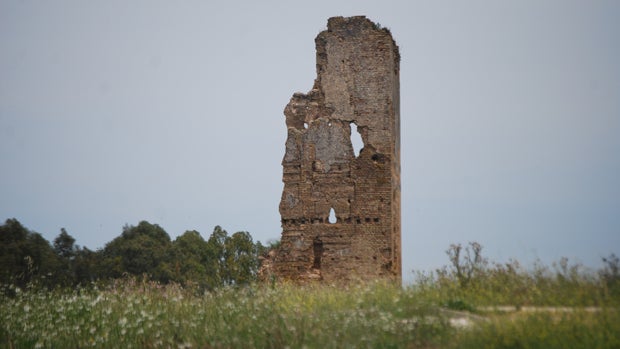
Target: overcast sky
{"points": [[113, 112]]}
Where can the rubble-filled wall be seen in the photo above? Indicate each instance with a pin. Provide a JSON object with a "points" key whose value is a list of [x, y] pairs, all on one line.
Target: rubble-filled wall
{"points": [[356, 90]]}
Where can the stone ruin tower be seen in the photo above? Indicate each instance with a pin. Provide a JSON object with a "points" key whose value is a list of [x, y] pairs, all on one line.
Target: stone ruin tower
{"points": [[356, 90]]}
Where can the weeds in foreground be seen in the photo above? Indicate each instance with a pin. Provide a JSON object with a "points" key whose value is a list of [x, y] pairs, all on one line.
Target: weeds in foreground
{"points": [[471, 281], [143, 314], [545, 330], [148, 315]]}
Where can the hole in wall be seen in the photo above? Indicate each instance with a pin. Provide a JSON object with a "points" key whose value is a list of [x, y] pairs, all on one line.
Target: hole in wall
{"points": [[332, 216], [378, 158], [317, 249], [356, 140]]}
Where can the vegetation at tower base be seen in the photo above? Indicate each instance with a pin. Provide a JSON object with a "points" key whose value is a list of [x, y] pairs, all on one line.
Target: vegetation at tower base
{"points": [[563, 306], [340, 211], [145, 250]]}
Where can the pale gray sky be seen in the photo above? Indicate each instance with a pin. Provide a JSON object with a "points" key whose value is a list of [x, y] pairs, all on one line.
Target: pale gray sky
{"points": [[112, 112]]}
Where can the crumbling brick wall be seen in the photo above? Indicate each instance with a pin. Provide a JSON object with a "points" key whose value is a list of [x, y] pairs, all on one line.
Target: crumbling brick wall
{"points": [[357, 88]]}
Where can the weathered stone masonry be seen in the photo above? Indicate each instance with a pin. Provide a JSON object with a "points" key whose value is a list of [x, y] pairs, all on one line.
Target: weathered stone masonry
{"points": [[357, 84]]}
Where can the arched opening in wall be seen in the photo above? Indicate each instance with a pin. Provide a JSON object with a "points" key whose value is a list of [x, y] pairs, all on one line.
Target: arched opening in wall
{"points": [[317, 249], [356, 140], [332, 216]]}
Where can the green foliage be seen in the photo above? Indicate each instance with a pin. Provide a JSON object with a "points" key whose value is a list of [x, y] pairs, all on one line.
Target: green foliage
{"points": [[141, 249], [473, 280], [25, 256], [145, 249], [458, 304], [87, 266], [66, 251], [241, 259], [148, 250], [190, 253], [468, 263], [216, 271], [64, 245], [610, 275]]}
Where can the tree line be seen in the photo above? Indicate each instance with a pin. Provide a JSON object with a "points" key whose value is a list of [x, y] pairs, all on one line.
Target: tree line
{"points": [[145, 250]]}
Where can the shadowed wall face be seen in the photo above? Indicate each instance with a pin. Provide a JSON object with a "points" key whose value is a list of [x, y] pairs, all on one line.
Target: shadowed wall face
{"points": [[341, 209]]}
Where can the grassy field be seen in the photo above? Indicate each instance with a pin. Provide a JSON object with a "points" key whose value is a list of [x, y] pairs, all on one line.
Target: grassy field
{"points": [[574, 310]]}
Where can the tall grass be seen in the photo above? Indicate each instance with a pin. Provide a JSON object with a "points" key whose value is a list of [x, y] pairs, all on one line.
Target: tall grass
{"points": [[133, 313], [545, 330], [148, 315], [472, 281], [510, 284]]}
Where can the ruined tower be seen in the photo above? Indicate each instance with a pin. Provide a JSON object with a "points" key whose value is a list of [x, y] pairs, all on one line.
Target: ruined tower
{"points": [[356, 90]]}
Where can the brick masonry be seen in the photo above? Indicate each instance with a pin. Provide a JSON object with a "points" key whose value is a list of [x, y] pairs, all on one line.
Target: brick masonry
{"points": [[357, 88]]}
